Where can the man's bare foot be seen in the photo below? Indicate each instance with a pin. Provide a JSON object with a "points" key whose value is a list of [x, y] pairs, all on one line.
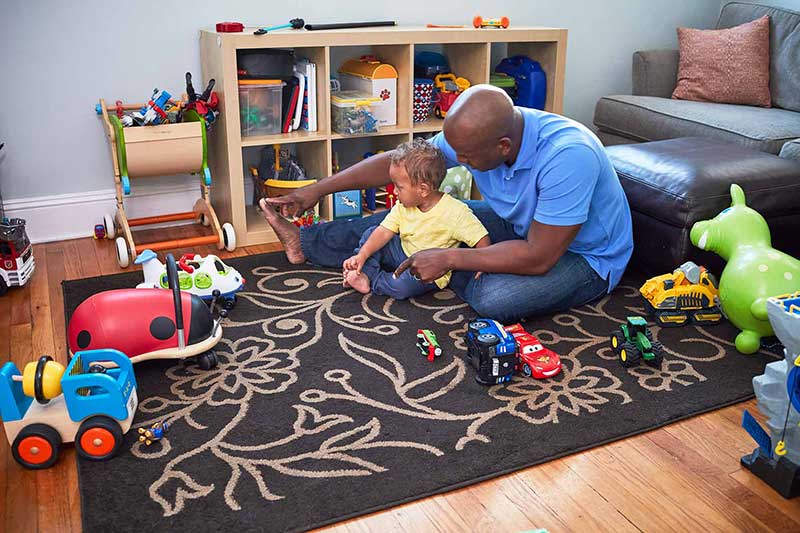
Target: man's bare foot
{"points": [[287, 233], [358, 280]]}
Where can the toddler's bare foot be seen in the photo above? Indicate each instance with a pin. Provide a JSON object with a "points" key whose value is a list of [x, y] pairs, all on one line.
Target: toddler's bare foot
{"points": [[358, 281], [287, 233], [345, 284]]}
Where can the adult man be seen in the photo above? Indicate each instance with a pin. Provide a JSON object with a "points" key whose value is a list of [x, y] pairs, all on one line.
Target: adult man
{"points": [[554, 208]]}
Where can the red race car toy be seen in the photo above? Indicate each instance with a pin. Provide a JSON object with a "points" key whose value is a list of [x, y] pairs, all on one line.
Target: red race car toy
{"points": [[533, 359]]}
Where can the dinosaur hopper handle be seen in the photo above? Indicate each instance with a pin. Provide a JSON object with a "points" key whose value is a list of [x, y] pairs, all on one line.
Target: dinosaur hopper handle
{"points": [[172, 279]]}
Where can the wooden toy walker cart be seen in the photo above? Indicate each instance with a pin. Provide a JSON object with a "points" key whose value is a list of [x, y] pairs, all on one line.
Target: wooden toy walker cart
{"points": [[160, 150]]}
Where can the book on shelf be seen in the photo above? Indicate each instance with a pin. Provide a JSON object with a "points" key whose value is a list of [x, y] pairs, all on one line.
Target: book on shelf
{"points": [[308, 117]]}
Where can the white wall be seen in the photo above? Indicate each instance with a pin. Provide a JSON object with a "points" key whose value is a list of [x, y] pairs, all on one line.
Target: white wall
{"points": [[58, 57]]}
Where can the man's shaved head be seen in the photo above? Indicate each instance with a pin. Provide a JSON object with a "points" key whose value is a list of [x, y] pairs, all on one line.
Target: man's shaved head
{"points": [[477, 123]]}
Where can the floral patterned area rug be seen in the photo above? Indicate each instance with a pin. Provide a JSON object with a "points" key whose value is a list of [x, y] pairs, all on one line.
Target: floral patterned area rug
{"points": [[322, 407]]}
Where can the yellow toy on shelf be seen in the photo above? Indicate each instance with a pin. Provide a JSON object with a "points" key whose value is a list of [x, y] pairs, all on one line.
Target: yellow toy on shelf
{"points": [[160, 150]]}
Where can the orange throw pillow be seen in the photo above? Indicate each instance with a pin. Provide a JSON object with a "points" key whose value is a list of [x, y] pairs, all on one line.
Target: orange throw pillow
{"points": [[729, 66]]}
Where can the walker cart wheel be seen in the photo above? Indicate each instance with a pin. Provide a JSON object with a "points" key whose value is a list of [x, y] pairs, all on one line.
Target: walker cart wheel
{"points": [[108, 225], [36, 447], [122, 252], [204, 220], [228, 237], [98, 438], [207, 361]]}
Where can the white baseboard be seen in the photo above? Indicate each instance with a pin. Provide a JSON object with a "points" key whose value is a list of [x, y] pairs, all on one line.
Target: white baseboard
{"points": [[74, 215]]}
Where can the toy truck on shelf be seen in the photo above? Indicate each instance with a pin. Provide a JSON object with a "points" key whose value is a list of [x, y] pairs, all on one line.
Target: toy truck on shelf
{"points": [[16, 254], [633, 341], [689, 294], [91, 403]]}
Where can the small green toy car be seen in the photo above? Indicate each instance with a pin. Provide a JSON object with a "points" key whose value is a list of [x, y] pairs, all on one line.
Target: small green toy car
{"points": [[634, 341], [427, 344]]}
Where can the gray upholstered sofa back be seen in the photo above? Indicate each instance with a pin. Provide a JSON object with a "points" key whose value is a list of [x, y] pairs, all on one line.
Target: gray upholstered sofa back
{"points": [[784, 28]]}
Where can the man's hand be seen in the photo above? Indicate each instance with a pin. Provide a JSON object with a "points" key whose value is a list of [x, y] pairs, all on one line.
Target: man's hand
{"points": [[355, 262], [296, 202], [427, 265]]}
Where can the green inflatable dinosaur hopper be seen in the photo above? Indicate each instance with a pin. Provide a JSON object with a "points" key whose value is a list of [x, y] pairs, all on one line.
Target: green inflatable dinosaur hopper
{"points": [[755, 270]]}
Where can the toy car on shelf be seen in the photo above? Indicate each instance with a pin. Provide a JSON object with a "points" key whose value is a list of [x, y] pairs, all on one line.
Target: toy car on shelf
{"points": [[149, 323], [16, 254], [688, 294], [428, 344], [448, 89], [534, 360], [196, 274], [87, 403], [480, 22], [634, 341], [491, 350]]}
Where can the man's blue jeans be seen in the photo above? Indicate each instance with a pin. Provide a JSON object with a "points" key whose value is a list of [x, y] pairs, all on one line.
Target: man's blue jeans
{"points": [[380, 268], [503, 297]]}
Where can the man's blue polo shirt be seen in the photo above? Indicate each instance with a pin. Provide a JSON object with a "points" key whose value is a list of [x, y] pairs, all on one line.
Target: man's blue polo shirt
{"points": [[562, 177]]}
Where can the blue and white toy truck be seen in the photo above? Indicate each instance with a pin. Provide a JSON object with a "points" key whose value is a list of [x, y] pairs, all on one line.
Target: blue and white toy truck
{"points": [[91, 403], [491, 350]]}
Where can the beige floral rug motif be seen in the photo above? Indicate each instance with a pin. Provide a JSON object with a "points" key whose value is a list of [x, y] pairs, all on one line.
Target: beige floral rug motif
{"points": [[322, 408]]}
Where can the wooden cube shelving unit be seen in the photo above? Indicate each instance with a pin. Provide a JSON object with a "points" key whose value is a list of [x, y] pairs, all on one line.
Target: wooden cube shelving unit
{"points": [[469, 53]]}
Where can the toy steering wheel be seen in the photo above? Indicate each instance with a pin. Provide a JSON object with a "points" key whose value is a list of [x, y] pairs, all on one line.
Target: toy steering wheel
{"points": [[172, 280], [38, 377]]}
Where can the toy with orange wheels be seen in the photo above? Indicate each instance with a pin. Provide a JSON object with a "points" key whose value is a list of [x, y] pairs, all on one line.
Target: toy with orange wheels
{"points": [[480, 22], [91, 403]]}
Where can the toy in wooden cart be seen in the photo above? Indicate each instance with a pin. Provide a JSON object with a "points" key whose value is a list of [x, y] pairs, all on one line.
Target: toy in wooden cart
{"points": [[87, 403], [204, 104], [207, 277], [160, 150], [776, 461], [428, 344], [754, 271], [496, 352], [688, 295], [480, 22], [448, 89], [154, 433], [16, 254], [634, 342], [533, 359], [149, 323]]}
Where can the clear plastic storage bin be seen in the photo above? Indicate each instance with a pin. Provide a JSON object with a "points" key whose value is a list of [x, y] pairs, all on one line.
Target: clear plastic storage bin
{"points": [[352, 113], [260, 107]]}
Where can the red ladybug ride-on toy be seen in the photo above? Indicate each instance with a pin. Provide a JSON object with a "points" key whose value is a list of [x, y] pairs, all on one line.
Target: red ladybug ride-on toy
{"points": [[533, 359], [149, 323]]}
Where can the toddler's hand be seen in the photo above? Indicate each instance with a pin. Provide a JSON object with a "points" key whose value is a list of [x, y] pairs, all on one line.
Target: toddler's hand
{"points": [[353, 263]]}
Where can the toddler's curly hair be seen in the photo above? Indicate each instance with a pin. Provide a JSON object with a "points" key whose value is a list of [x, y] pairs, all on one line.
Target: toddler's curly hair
{"points": [[422, 161]]}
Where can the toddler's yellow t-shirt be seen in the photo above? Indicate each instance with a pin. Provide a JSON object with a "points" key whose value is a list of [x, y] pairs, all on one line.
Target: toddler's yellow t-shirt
{"points": [[446, 225]]}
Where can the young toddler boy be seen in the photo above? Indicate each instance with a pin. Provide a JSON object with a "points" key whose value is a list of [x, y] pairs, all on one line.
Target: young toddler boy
{"points": [[423, 218]]}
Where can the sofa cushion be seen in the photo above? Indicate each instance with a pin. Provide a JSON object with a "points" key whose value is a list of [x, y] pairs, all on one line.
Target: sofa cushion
{"points": [[649, 118], [672, 184], [784, 46], [728, 66], [791, 150]]}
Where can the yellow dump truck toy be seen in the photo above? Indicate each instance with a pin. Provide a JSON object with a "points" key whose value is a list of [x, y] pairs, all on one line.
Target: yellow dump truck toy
{"points": [[688, 295]]}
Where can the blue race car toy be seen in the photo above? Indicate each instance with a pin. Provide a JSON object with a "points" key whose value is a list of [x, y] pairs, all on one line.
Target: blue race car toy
{"points": [[491, 350]]}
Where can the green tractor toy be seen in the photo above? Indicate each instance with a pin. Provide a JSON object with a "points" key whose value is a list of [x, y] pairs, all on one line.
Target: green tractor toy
{"points": [[634, 341]]}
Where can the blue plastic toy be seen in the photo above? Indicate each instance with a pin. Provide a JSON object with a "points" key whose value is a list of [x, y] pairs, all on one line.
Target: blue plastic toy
{"points": [[531, 80], [92, 403]]}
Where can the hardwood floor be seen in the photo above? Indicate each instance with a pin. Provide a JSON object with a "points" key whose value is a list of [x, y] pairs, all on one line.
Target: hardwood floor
{"points": [[682, 477]]}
